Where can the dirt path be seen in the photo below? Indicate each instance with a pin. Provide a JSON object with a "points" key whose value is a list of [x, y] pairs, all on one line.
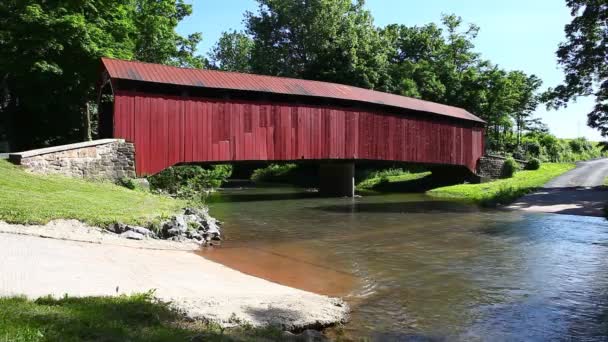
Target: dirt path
{"points": [[577, 192], [35, 266]]}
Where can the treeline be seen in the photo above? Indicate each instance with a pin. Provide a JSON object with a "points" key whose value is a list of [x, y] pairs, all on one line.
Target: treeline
{"points": [[50, 50], [547, 148], [49, 59], [337, 41]]}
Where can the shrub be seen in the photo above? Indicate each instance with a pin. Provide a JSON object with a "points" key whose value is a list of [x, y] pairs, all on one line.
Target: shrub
{"points": [[533, 164], [190, 181], [533, 148], [519, 153], [128, 183], [580, 145], [135, 184], [510, 167], [274, 172]]}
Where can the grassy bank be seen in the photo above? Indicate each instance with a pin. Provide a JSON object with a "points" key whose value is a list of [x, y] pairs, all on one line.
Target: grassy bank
{"points": [[387, 178], [29, 198], [504, 191], [123, 318]]}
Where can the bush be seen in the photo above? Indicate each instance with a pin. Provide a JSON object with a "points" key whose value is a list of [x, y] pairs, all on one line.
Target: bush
{"points": [[190, 182], [510, 167], [274, 172], [533, 164], [580, 145], [128, 183], [533, 148], [519, 153]]}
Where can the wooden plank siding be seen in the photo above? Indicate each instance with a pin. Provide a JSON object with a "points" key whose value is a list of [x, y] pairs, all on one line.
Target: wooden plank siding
{"points": [[168, 130]]}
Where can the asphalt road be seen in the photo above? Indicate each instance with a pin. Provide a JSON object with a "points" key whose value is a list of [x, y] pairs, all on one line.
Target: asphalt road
{"points": [[577, 192]]}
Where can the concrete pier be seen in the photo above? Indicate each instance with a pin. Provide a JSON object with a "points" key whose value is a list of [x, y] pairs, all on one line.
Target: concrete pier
{"points": [[337, 179]]}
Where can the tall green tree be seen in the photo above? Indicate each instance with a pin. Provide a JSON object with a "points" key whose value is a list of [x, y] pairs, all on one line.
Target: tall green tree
{"points": [[329, 40], [156, 40], [439, 63], [232, 52], [584, 57], [526, 100], [49, 58]]}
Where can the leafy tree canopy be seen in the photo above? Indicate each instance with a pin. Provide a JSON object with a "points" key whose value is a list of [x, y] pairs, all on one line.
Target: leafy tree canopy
{"points": [[49, 57], [232, 52], [329, 40], [439, 63], [584, 57]]}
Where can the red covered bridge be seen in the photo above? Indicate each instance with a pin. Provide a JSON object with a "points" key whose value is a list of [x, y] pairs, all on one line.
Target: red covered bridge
{"points": [[176, 115]]}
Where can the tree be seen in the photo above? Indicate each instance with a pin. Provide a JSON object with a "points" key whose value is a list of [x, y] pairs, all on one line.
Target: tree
{"points": [[438, 63], [50, 51], [526, 100], [412, 55], [584, 57], [155, 38], [232, 52], [324, 40]]}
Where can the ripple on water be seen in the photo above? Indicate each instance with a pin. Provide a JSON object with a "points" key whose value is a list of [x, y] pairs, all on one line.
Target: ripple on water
{"points": [[416, 268]]}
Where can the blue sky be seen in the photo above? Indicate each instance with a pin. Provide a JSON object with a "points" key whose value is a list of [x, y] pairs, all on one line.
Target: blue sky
{"points": [[516, 34]]}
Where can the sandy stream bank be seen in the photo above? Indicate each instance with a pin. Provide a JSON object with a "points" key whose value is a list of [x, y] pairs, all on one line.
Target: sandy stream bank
{"points": [[68, 257]]}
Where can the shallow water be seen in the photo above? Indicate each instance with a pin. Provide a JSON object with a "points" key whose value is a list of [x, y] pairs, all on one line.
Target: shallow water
{"points": [[416, 268]]}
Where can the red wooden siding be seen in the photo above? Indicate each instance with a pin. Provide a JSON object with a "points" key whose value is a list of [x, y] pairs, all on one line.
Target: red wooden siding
{"points": [[168, 130]]}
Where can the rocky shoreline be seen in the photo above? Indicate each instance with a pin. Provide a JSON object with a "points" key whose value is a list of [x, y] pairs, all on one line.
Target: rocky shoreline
{"points": [[193, 225]]}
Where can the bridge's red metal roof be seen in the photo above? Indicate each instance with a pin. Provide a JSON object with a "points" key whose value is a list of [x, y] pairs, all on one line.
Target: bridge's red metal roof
{"points": [[157, 73]]}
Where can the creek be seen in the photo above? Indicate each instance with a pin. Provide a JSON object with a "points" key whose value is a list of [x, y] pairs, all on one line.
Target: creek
{"points": [[416, 267]]}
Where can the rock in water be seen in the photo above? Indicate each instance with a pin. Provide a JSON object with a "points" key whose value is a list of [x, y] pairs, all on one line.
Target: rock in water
{"points": [[213, 232]]}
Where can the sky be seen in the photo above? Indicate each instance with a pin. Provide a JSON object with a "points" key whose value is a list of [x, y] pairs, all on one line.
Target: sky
{"points": [[516, 35]]}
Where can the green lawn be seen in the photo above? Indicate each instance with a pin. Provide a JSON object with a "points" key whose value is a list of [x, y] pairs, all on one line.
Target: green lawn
{"points": [[29, 198], [373, 182], [504, 191], [121, 318]]}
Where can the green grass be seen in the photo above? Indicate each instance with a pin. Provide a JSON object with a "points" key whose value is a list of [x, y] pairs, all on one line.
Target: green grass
{"points": [[121, 318], [29, 199], [274, 173], [396, 176], [504, 191]]}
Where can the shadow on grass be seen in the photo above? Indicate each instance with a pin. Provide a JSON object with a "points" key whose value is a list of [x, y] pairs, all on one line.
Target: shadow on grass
{"points": [[419, 185], [123, 318]]}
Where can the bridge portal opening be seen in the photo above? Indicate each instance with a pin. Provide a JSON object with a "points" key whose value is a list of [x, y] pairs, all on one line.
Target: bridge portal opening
{"points": [[105, 110]]}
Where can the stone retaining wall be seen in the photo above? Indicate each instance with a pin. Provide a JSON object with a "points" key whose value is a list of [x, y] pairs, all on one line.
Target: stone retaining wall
{"points": [[107, 159], [492, 167]]}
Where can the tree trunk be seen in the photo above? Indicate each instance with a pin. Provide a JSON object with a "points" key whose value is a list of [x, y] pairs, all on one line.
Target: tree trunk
{"points": [[87, 123]]}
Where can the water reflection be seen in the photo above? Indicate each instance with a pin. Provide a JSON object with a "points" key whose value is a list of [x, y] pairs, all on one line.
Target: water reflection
{"points": [[426, 207], [421, 269]]}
